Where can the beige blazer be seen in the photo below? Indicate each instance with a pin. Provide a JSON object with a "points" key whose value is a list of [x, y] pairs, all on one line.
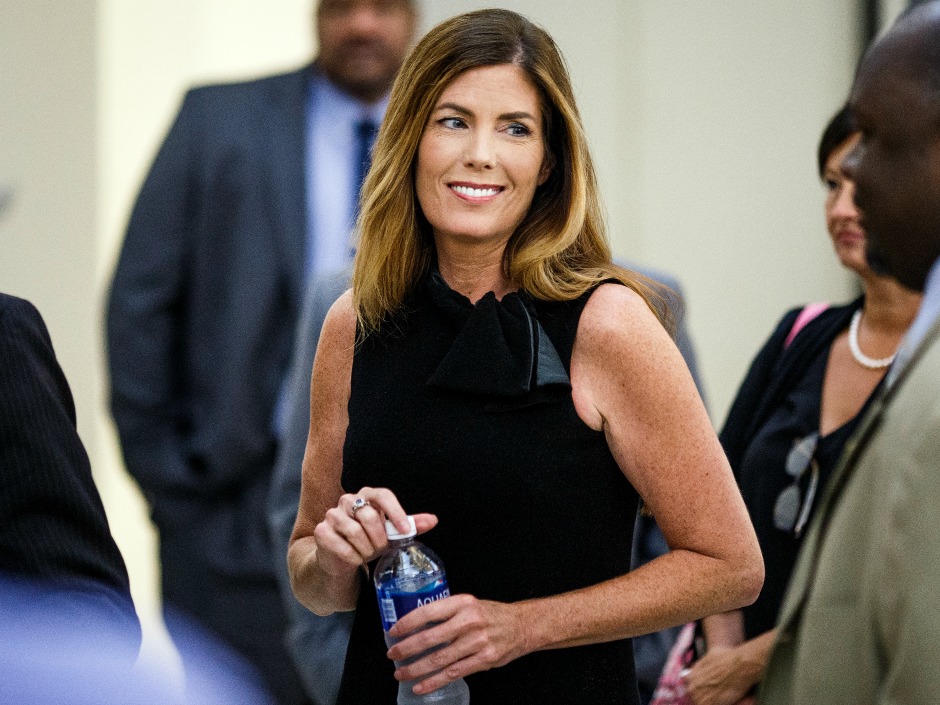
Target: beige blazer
{"points": [[861, 619]]}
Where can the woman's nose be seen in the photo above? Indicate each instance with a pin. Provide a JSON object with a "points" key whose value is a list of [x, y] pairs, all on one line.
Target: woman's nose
{"points": [[481, 151], [844, 206]]}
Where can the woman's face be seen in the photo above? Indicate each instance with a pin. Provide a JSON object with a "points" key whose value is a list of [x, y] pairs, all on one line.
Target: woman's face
{"points": [[481, 157], [847, 235]]}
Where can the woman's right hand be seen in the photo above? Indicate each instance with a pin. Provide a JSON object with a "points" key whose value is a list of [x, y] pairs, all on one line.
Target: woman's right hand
{"points": [[353, 532]]}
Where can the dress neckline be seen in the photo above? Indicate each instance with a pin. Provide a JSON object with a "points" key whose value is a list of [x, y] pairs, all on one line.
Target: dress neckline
{"points": [[500, 348]]}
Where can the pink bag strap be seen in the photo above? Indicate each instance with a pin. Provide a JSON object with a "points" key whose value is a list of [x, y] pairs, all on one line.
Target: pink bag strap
{"points": [[809, 312]]}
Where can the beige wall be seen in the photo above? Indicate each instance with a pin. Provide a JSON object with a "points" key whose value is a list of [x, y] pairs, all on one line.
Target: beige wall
{"points": [[703, 118], [47, 156]]}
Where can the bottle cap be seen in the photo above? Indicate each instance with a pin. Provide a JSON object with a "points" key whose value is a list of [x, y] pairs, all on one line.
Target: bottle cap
{"points": [[395, 535]]}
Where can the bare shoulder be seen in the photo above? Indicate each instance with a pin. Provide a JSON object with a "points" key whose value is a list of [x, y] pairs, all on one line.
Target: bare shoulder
{"points": [[339, 326], [621, 350], [337, 343], [616, 315], [341, 318]]}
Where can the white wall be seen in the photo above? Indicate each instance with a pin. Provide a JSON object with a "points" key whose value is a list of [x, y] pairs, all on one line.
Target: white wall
{"points": [[47, 157]]}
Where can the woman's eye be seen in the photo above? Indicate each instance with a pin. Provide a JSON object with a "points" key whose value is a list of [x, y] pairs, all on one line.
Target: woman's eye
{"points": [[453, 123], [517, 129], [832, 184]]}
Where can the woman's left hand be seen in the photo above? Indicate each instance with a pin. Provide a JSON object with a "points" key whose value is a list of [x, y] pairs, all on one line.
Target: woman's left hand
{"points": [[718, 678], [473, 635], [727, 675]]}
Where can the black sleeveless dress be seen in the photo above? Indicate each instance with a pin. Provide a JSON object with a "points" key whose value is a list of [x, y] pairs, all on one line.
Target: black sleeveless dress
{"points": [[466, 411]]}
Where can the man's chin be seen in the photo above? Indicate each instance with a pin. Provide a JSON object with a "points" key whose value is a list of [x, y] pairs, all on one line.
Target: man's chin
{"points": [[914, 278], [364, 77]]}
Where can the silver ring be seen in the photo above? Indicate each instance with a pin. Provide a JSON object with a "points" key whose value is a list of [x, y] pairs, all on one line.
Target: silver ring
{"points": [[358, 504]]}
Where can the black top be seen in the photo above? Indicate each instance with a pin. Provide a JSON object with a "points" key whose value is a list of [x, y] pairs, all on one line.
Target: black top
{"points": [[762, 477], [780, 403], [466, 411]]}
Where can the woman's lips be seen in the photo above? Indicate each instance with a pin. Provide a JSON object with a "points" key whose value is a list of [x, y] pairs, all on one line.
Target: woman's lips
{"points": [[850, 237]]}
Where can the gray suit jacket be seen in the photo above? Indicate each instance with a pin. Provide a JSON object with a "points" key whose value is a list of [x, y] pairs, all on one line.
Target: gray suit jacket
{"points": [[318, 644], [202, 313], [861, 620]]}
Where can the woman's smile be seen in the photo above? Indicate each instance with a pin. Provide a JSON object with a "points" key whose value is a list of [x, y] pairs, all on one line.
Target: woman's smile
{"points": [[475, 193]]}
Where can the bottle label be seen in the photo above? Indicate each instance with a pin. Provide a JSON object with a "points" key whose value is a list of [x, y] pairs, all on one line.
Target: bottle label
{"points": [[394, 605]]}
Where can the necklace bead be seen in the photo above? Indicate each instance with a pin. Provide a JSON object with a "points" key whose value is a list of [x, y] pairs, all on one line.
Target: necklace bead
{"points": [[860, 357]]}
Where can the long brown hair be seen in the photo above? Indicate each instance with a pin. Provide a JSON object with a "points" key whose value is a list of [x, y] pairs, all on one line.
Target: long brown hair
{"points": [[560, 249]]}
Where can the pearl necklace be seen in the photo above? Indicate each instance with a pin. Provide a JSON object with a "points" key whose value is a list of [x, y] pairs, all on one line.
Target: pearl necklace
{"points": [[860, 357]]}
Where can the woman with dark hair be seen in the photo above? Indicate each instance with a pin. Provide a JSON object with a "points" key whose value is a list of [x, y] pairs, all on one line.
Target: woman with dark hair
{"points": [[494, 373], [798, 405]]}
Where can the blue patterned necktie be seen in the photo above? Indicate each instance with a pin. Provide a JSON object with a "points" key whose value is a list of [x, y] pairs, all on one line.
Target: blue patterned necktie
{"points": [[366, 131]]}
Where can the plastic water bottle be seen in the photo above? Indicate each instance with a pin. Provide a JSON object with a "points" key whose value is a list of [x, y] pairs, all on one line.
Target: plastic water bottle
{"points": [[407, 576]]}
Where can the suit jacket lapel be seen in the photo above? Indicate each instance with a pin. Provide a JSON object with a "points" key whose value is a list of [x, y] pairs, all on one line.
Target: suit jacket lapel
{"points": [[285, 140]]}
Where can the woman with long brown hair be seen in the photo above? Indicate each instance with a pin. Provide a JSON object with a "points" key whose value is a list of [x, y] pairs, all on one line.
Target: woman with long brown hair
{"points": [[493, 373]]}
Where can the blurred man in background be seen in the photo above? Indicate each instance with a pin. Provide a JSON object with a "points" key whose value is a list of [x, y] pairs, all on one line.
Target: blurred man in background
{"points": [[253, 191]]}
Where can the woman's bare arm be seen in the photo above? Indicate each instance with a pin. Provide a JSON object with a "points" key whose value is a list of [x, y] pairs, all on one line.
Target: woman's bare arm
{"points": [[325, 583]]}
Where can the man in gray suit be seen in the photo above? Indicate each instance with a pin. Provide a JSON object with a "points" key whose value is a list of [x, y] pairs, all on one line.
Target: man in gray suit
{"points": [[318, 644], [861, 620]]}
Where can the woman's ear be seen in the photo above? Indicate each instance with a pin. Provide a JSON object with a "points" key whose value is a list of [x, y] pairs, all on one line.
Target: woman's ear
{"points": [[548, 163]]}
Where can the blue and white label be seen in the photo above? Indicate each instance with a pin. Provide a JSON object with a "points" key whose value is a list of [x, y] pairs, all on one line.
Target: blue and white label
{"points": [[393, 605]]}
